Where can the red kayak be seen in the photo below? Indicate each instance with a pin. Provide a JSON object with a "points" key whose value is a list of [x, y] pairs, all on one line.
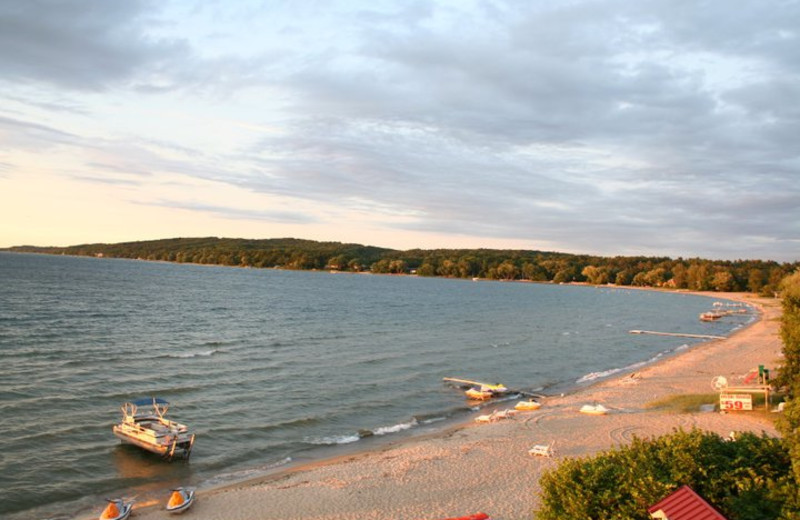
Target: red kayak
{"points": [[476, 516]]}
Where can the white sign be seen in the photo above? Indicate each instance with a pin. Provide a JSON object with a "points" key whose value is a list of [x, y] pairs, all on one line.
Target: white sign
{"points": [[734, 402]]}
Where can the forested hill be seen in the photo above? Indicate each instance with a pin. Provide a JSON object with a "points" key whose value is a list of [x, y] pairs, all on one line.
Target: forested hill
{"points": [[290, 253]]}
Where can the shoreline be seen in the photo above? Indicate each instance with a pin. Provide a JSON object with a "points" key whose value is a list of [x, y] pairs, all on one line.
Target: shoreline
{"points": [[466, 467]]}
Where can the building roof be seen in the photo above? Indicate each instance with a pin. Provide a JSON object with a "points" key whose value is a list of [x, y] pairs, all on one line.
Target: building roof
{"points": [[684, 504]]}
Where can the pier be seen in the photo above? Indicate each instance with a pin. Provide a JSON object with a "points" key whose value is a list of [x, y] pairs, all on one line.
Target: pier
{"points": [[676, 334]]}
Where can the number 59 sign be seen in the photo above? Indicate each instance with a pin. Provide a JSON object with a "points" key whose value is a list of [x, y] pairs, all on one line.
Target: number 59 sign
{"points": [[733, 402]]}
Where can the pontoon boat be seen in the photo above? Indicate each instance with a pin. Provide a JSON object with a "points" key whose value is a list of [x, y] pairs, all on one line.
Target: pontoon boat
{"points": [[144, 425]]}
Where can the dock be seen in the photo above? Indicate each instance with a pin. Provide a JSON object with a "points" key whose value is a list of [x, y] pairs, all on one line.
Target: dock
{"points": [[676, 334]]}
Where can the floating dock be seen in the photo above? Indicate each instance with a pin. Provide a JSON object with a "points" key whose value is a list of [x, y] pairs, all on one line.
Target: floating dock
{"points": [[676, 334]]}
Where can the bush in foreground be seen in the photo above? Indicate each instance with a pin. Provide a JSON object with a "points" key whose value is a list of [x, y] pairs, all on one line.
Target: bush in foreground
{"points": [[749, 478]]}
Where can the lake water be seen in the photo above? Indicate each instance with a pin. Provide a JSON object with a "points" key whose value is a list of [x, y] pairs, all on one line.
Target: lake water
{"points": [[273, 367]]}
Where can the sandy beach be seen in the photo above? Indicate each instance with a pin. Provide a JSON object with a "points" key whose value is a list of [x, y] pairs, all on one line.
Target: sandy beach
{"points": [[486, 467]]}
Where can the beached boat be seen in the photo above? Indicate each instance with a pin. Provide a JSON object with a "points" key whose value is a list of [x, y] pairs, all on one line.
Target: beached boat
{"points": [[594, 409], [180, 500], [479, 394], [531, 404], [480, 391], [144, 425], [117, 509]]}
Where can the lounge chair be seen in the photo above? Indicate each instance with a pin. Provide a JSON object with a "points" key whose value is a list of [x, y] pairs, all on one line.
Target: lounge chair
{"points": [[543, 450]]}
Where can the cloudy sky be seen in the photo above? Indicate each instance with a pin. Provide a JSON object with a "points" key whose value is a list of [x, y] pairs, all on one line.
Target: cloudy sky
{"points": [[648, 127]]}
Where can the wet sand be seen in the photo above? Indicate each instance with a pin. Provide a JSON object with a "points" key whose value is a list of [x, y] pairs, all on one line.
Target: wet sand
{"points": [[486, 467]]}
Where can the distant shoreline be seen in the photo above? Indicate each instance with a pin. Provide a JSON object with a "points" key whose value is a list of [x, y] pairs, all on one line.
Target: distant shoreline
{"points": [[758, 276], [668, 290]]}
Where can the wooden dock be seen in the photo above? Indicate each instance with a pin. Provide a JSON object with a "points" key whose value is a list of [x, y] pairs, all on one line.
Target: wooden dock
{"points": [[676, 334]]}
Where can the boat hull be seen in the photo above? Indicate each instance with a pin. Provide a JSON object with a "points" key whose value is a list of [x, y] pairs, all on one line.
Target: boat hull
{"points": [[178, 509], [478, 395], [167, 450], [124, 513]]}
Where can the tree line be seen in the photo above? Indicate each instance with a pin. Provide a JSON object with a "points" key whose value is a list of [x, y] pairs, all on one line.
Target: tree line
{"points": [[789, 372], [758, 276]]}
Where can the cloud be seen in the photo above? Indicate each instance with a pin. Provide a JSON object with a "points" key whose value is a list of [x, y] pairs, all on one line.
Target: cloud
{"points": [[21, 134], [84, 45], [236, 213]]}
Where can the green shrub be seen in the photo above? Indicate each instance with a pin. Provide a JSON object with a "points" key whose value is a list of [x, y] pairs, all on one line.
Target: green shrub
{"points": [[748, 479]]}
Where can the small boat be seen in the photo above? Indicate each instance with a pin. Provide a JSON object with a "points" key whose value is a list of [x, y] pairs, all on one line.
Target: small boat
{"points": [[117, 509], [180, 500], [476, 516], [531, 404], [710, 316], [480, 391], [479, 394], [144, 425], [594, 409]]}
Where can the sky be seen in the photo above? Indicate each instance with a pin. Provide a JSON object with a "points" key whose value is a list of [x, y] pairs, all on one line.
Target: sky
{"points": [[654, 127]]}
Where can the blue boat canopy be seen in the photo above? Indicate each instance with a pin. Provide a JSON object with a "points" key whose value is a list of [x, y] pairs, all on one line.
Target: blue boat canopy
{"points": [[149, 401]]}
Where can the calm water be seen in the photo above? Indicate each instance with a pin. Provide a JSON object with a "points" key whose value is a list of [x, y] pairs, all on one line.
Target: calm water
{"points": [[275, 367]]}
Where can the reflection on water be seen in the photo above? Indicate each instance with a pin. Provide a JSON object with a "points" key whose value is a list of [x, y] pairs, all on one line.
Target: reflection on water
{"points": [[147, 474], [133, 463]]}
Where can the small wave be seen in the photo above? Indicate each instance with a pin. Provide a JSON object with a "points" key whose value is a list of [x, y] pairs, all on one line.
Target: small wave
{"points": [[331, 441], [186, 355], [592, 376], [385, 430], [433, 420], [434, 417], [245, 474], [350, 438]]}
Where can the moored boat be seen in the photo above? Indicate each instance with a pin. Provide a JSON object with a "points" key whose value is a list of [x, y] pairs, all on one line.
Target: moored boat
{"points": [[144, 425], [180, 500], [479, 394], [480, 391]]}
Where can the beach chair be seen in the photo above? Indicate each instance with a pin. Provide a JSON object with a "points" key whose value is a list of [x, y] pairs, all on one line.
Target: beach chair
{"points": [[505, 414], [543, 450]]}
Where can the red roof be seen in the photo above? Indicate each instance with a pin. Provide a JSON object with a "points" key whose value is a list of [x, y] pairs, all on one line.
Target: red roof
{"points": [[685, 504]]}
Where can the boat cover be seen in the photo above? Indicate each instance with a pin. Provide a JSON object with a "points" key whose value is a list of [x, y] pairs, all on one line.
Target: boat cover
{"points": [[149, 401], [176, 499]]}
